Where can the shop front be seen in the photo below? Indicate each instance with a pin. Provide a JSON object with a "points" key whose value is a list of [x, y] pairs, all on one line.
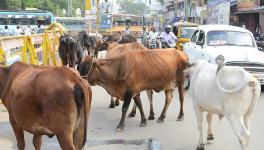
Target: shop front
{"points": [[249, 15]]}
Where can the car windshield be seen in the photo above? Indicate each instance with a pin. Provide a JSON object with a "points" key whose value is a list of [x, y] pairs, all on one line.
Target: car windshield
{"points": [[187, 32], [233, 38]]}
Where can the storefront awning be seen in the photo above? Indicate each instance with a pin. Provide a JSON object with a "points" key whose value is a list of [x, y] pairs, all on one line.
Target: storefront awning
{"points": [[254, 10]]}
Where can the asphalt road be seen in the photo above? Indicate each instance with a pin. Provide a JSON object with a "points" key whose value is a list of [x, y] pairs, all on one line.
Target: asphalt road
{"points": [[171, 135]]}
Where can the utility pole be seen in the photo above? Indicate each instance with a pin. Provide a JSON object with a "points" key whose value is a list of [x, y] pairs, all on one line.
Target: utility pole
{"points": [[97, 15], [69, 8]]}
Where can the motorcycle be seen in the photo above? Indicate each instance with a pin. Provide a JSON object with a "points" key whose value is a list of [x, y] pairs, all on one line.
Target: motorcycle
{"points": [[166, 44], [152, 43]]}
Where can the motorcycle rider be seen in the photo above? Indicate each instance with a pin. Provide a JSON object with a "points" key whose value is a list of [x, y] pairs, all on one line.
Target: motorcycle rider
{"points": [[168, 36], [154, 35]]}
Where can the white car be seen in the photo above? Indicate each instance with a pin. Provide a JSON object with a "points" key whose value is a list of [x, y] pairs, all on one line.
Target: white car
{"points": [[236, 44]]}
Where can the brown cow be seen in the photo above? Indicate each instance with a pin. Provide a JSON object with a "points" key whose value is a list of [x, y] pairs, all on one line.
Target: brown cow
{"points": [[126, 75], [116, 49], [48, 101]]}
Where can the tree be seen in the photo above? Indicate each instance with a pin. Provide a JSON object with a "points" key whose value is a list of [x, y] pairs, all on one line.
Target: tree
{"points": [[133, 8], [28, 3], [161, 1], [10, 4], [55, 6]]}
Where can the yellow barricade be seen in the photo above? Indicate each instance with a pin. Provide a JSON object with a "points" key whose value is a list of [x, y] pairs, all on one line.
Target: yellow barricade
{"points": [[33, 49]]}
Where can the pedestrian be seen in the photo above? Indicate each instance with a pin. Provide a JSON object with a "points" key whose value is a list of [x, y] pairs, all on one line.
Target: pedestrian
{"points": [[16, 31], [6, 31], [28, 31], [258, 30]]}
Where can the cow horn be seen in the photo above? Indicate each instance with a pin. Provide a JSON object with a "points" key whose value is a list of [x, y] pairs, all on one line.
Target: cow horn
{"points": [[120, 39]]}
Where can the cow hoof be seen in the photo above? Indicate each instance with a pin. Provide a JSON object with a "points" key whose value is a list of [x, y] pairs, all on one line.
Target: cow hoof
{"points": [[160, 120], [151, 118], [112, 106], [180, 119], [119, 129], [200, 147], [210, 137], [131, 115], [143, 124]]}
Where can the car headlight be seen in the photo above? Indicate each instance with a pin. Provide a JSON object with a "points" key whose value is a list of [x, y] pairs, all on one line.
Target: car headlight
{"points": [[219, 59]]}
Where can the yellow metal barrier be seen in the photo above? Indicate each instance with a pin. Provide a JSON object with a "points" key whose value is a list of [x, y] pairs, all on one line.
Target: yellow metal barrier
{"points": [[29, 49]]}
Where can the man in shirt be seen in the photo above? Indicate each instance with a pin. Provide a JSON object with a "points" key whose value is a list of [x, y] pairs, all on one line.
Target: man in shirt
{"points": [[168, 36], [153, 35]]}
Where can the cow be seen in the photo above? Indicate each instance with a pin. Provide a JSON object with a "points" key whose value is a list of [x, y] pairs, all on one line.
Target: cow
{"points": [[120, 38], [116, 49], [45, 100], [124, 76], [226, 91], [72, 47]]}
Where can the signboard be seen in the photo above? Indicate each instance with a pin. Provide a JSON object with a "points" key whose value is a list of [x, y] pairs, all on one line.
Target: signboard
{"points": [[106, 7], [218, 11], [244, 5], [87, 7]]}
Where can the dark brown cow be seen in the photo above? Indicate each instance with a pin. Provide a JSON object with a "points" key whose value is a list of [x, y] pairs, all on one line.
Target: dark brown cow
{"points": [[48, 101], [126, 75]]}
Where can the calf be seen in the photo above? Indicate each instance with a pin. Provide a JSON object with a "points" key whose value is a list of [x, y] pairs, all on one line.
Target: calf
{"points": [[124, 76], [229, 91]]}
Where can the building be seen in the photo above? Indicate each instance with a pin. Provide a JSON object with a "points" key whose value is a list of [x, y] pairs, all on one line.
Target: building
{"points": [[218, 12], [189, 10], [250, 13]]}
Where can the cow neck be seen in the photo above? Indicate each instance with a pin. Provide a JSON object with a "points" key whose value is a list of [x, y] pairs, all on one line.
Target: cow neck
{"points": [[104, 78]]}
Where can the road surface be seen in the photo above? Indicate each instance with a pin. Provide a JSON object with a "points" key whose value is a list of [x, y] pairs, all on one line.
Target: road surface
{"points": [[171, 135]]}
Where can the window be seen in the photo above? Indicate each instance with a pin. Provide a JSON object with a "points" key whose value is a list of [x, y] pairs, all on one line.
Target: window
{"points": [[201, 38], [194, 36], [230, 38]]}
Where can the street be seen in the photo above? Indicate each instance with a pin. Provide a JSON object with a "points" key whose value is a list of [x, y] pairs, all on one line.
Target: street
{"points": [[170, 135]]}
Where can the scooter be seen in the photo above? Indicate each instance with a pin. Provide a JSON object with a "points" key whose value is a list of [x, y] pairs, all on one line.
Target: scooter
{"points": [[166, 44]]}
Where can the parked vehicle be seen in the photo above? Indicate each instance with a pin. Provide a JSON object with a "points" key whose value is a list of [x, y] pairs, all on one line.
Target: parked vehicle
{"points": [[236, 44]]}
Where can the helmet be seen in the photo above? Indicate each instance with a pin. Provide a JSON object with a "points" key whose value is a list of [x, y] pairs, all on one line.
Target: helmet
{"points": [[167, 27]]}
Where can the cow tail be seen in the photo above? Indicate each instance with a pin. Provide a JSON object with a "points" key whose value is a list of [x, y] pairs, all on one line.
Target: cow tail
{"points": [[79, 98], [256, 89], [68, 53]]}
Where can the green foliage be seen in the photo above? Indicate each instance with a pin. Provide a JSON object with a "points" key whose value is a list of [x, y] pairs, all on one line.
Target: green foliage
{"points": [[28, 3], [55, 6], [10, 4], [161, 1], [129, 7]]}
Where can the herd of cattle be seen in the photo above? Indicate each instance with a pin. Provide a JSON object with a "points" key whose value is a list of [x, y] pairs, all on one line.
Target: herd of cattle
{"points": [[46, 100]]}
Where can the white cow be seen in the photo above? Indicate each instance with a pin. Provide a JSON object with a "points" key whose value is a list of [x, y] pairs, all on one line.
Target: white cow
{"points": [[229, 91]]}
